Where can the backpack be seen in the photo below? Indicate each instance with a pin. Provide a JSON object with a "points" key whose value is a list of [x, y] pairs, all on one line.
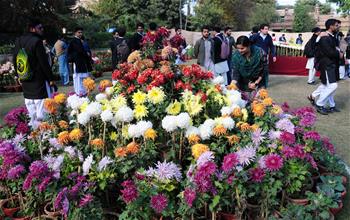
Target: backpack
{"points": [[225, 48], [308, 50], [123, 51], [22, 66]]}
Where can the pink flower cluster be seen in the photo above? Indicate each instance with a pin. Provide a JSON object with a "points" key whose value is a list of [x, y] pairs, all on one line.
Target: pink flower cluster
{"points": [[129, 192]]}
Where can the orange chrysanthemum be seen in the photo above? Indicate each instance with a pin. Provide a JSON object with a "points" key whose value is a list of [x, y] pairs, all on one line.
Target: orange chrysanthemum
{"points": [[75, 134], [132, 148], [63, 124], [44, 126], [150, 134], [232, 86], [63, 138], [34, 134], [245, 127], [60, 98], [233, 139], [219, 130], [193, 139], [104, 84], [254, 127], [165, 69], [89, 84], [50, 106], [263, 93], [97, 142], [218, 88], [120, 152], [259, 109], [148, 63], [268, 101], [237, 112]]}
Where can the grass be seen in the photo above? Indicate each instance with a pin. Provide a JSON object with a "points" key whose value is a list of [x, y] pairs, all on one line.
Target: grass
{"points": [[282, 89]]}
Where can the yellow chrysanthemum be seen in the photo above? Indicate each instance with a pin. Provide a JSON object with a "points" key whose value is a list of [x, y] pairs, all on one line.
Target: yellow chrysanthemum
{"points": [[258, 109], [237, 112], [276, 110], [174, 108], [113, 136], [198, 149], [193, 139], [75, 134], [97, 142], [232, 86], [50, 106], [60, 98], [140, 111], [63, 137], [106, 105], [104, 84], [155, 95], [89, 84], [219, 99], [134, 56], [84, 106], [139, 98], [254, 127], [125, 132], [245, 114], [150, 134], [245, 127], [267, 101], [233, 139], [118, 102], [219, 130], [192, 103], [263, 94]]}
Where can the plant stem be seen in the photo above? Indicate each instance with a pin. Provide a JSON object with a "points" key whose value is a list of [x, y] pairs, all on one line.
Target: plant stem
{"points": [[104, 138]]}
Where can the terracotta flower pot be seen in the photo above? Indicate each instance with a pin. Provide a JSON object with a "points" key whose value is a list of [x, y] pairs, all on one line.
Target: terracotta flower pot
{"points": [[21, 218], [52, 213], [226, 216], [302, 202], [343, 194], [335, 211], [9, 212]]}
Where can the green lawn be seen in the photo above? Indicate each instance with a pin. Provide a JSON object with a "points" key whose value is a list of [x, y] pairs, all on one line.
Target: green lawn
{"points": [[282, 88]]}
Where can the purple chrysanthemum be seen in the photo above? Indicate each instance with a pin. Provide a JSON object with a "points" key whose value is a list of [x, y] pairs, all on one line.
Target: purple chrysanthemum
{"points": [[273, 162], [287, 138], [22, 128], [202, 177], [246, 155], [15, 116], [273, 135], [257, 174], [189, 196], [15, 172], [312, 135], [230, 161], [86, 200], [205, 157], [258, 136], [159, 203], [129, 193], [37, 168], [294, 152], [165, 171], [42, 186], [285, 124]]}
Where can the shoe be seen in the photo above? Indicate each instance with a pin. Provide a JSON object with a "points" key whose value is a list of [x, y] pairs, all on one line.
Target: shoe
{"points": [[321, 110], [311, 83], [312, 100], [332, 110]]}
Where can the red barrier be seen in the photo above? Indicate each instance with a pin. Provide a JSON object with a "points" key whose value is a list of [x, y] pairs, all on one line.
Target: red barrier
{"points": [[286, 65]]}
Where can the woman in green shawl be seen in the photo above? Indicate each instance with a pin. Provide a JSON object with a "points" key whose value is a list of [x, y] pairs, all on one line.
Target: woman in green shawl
{"points": [[249, 65]]}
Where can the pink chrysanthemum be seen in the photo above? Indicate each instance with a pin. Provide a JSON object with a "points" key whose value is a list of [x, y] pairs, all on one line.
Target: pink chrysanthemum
{"points": [[257, 174], [129, 193], [313, 135], [287, 138], [159, 203], [190, 196], [230, 161], [273, 162]]}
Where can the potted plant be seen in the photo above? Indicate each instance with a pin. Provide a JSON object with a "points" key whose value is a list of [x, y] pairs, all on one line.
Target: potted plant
{"points": [[295, 211], [334, 182], [319, 206], [330, 192]]}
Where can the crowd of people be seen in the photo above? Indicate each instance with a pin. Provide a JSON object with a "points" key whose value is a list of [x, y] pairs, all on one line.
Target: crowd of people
{"points": [[243, 62]]}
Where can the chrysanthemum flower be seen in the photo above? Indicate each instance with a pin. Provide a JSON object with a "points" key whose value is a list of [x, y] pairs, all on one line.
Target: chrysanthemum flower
{"points": [[258, 109], [132, 148], [276, 110], [159, 203], [134, 56], [189, 196], [230, 161], [268, 101], [140, 111], [63, 138], [233, 139], [237, 112], [263, 93], [257, 174], [89, 84], [113, 136], [245, 127], [174, 108], [219, 130], [150, 134], [232, 86], [273, 162], [118, 102], [60, 98], [120, 152], [97, 142], [198, 149], [44, 126], [193, 139], [50, 106], [75, 134], [156, 95], [104, 84], [63, 124], [138, 98]]}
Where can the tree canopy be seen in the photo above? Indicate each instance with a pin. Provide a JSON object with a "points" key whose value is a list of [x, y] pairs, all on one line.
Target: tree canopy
{"points": [[303, 21]]}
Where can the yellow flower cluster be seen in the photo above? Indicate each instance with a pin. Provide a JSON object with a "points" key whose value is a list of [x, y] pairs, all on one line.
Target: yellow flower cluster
{"points": [[89, 84], [156, 95], [192, 103], [198, 149], [118, 102], [60, 98], [150, 134], [140, 111], [76, 134], [174, 108], [139, 97]]}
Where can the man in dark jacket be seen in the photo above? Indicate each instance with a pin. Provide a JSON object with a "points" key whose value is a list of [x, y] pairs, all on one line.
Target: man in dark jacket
{"points": [[81, 61], [113, 46], [122, 46], [36, 89], [328, 56], [204, 50], [136, 40], [309, 52], [264, 41], [232, 44], [220, 63]]}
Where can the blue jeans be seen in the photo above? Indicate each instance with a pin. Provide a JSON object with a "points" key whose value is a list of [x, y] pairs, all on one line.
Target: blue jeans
{"points": [[63, 68]]}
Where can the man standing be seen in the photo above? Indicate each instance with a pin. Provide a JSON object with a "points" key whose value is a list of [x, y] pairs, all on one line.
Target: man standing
{"points": [[264, 41], [122, 48], [221, 53], [137, 38], [309, 52], [36, 86], [61, 48], [282, 38], [231, 44], [299, 40], [204, 50], [327, 56], [81, 61], [113, 46]]}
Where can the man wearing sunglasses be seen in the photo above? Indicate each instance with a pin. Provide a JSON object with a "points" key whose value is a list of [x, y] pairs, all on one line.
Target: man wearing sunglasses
{"points": [[37, 87]]}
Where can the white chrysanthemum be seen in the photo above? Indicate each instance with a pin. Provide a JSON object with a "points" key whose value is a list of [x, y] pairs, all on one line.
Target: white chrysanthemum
{"points": [[205, 131], [218, 80], [109, 91], [94, 109], [75, 101], [228, 123], [99, 97], [83, 118], [192, 130], [124, 114], [225, 110], [143, 126], [106, 115], [210, 123], [133, 131], [235, 98], [87, 164], [183, 120], [169, 123], [104, 162]]}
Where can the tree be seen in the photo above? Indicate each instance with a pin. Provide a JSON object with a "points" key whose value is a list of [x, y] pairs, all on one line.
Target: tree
{"points": [[303, 21], [325, 9], [264, 12], [208, 12], [344, 5]]}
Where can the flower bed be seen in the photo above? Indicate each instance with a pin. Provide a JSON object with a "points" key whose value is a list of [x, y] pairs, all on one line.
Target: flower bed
{"points": [[102, 63], [8, 80], [165, 141]]}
